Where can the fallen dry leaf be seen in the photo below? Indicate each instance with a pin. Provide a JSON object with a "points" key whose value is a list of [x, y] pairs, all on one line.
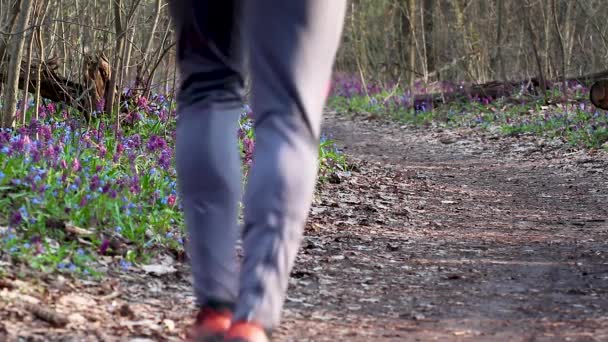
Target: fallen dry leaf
{"points": [[77, 301], [159, 269]]}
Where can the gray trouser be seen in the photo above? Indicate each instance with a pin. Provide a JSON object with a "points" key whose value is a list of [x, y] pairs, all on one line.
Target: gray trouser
{"points": [[290, 46]]}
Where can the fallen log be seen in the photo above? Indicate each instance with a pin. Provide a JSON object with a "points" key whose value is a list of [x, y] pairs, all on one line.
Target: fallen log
{"points": [[493, 90], [489, 91], [52, 86], [594, 77], [57, 88]]}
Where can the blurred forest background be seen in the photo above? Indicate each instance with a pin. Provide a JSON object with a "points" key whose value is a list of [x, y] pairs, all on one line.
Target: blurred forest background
{"points": [[82, 51]]}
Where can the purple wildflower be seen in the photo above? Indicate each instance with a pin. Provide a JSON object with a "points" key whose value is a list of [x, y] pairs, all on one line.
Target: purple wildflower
{"points": [[76, 165], [16, 218], [134, 141], [125, 265], [248, 147], [165, 159], [142, 102], [94, 183], [171, 200], [51, 108], [156, 143], [103, 248]]}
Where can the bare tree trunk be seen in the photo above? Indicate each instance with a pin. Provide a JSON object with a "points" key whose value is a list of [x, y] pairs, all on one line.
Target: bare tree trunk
{"points": [[111, 92], [38, 34], [151, 69], [166, 77], [499, 59], [124, 63], [14, 68], [155, 68], [9, 28], [569, 31], [429, 53], [407, 40], [28, 67], [55, 32], [38, 74], [145, 61], [533, 40], [560, 40], [413, 42], [460, 7], [64, 38], [129, 54], [4, 42], [548, 30]]}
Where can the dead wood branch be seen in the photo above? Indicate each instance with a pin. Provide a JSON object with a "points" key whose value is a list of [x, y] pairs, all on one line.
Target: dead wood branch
{"points": [[48, 315]]}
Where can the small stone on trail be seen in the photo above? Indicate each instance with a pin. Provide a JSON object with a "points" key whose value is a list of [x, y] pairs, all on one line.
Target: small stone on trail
{"points": [[125, 311], [169, 324], [76, 318], [418, 316]]}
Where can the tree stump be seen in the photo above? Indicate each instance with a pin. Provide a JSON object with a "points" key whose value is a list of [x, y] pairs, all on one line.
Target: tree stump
{"points": [[96, 73]]}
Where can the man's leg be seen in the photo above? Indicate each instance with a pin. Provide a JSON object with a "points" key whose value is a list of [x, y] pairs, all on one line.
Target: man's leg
{"points": [[207, 157], [292, 48]]}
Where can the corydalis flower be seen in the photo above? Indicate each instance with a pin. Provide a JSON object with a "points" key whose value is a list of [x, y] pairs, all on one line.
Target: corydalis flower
{"points": [[125, 265], [248, 147], [142, 102], [38, 246], [102, 151], [134, 141], [163, 115], [119, 149], [94, 183], [135, 185], [16, 218], [171, 200], [21, 143], [133, 117], [51, 108], [156, 143], [165, 159], [35, 153], [76, 165], [103, 248]]}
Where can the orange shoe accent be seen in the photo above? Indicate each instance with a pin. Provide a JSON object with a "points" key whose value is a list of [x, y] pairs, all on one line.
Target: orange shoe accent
{"points": [[246, 332], [210, 325]]}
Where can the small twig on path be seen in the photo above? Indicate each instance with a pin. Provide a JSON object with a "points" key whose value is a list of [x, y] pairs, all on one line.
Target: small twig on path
{"points": [[70, 228], [111, 296], [51, 316]]}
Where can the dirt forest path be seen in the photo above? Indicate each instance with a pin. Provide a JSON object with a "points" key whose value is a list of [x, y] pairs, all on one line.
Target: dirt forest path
{"points": [[457, 236], [436, 235]]}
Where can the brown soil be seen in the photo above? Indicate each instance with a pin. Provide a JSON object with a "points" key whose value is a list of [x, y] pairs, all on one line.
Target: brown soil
{"points": [[437, 235]]}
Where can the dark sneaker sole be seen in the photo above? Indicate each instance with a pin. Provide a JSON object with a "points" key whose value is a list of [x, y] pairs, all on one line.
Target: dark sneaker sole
{"points": [[213, 338]]}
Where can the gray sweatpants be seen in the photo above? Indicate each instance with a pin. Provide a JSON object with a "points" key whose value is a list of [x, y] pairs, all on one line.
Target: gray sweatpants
{"points": [[290, 47]]}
